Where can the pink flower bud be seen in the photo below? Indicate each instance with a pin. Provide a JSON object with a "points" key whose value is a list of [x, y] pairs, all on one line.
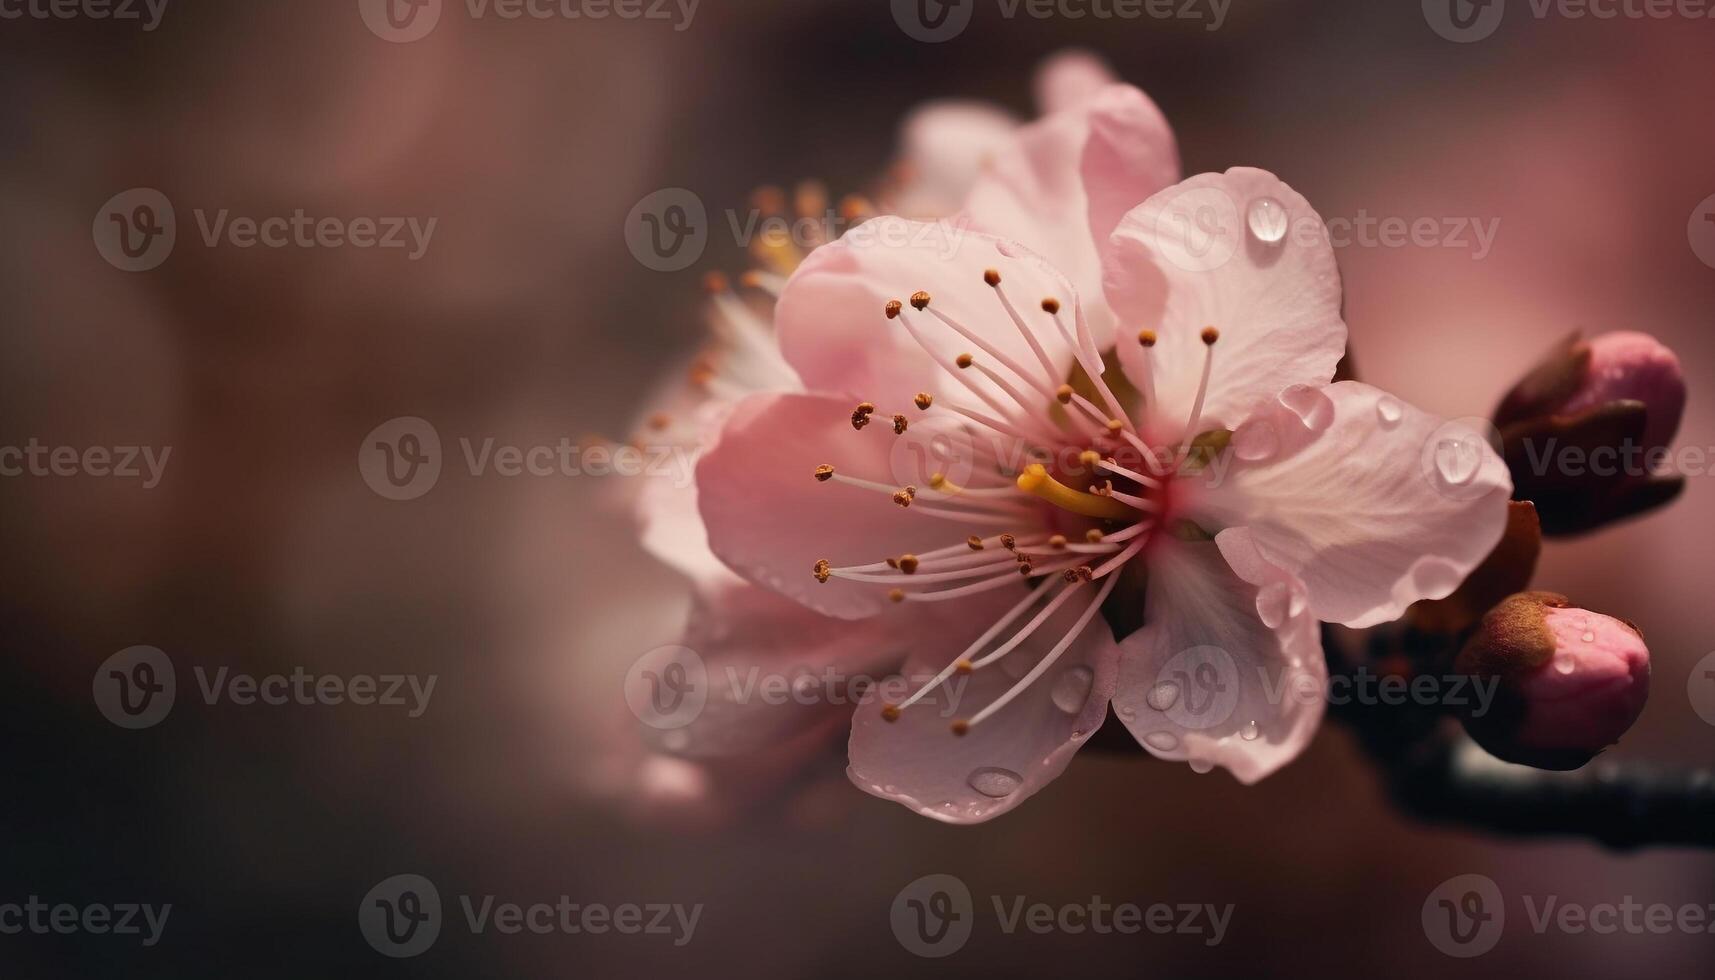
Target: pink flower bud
{"points": [[1569, 682], [1630, 366]]}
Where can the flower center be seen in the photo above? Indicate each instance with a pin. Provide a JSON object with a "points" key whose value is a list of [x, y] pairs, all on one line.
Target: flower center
{"points": [[1069, 540]]}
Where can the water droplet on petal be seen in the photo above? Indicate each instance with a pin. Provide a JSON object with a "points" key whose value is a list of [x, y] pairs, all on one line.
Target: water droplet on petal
{"points": [[1266, 218], [1389, 410], [1072, 689], [1457, 459], [1309, 404], [1273, 602], [1250, 732], [995, 782], [1126, 711], [1161, 741], [1256, 440], [1201, 765], [1163, 695], [1565, 663], [1588, 637]]}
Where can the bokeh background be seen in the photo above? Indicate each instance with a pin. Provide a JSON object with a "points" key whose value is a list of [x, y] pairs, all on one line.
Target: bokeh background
{"points": [[529, 319]]}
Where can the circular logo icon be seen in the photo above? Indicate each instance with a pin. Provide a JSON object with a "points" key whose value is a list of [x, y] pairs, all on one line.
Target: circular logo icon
{"points": [[400, 21], [668, 230], [1464, 21], [136, 687], [1197, 689], [1199, 229], [1454, 455], [932, 916], [401, 917], [667, 687], [1700, 231], [1700, 688], [938, 446], [933, 21], [1464, 916], [400, 459], [135, 230]]}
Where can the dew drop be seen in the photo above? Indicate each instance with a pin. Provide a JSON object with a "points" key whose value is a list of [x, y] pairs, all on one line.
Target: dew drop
{"points": [[994, 782], [1255, 440], [1072, 689], [1126, 711], [1565, 663], [1250, 732], [1161, 741], [1389, 410], [1458, 459], [1589, 637], [1273, 604], [1163, 695], [1267, 220], [1200, 765], [1313, 407]]}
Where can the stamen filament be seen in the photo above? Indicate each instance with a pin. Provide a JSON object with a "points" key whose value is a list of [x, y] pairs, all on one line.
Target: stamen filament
{"points": [[980, 642], [1046, 662]]}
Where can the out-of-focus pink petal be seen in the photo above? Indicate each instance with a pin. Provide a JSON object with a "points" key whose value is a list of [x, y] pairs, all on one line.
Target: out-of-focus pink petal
{"points": [[1070, 78], [1225, 672], [834, 331], [1244, 253], [672, 531], [1373, 503], [770, 520], [770, 669], [918, 761], [1041, 189], [943, 146]]}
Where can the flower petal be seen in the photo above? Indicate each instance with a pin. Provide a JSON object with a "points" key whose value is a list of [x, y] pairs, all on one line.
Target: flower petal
{"points": [[770, 520], [834, 331], [1089, 162], [1187, 259], [943, 145], [1225, 672], [1068, 79], [917, 761], [764, 670], [1373, 503]]}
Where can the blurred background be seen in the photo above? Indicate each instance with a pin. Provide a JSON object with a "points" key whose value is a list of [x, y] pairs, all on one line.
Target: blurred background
{"points": [[527, 319]]}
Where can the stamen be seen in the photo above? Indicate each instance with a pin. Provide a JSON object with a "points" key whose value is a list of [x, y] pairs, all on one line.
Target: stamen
{"points": [[980, 642], [824, 473], [924, 400], [1210, 335], [1036, 480], [900, 425], [963, 726], [1028, 628]]}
